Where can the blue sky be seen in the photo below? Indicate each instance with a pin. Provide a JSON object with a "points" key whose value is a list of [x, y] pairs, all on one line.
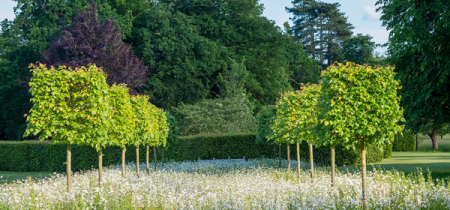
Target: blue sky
{"points": [[361, 13]]}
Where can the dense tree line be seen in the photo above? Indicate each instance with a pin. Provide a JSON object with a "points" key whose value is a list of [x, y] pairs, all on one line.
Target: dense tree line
{"points": [[187, 49]]}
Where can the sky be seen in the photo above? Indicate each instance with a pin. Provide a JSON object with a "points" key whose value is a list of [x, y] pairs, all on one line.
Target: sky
{"points": [[360, 13]]}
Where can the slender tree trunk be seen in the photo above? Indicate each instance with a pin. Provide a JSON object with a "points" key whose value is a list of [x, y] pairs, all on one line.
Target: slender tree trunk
{"points": [[330, 59], [364, 184], [154, 155], [162, 156], [274, 152], [100, 166], [288, 157], [123, 162], [332, 166], [148, 158], [417, 143], [311, 159], [69, 167], [137, 161], [433, 137], [298, 158], [279, 155], [321, 41]]}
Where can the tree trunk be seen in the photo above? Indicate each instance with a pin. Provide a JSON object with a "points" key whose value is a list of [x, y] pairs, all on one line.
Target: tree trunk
{"points": [[363, 165], [137, 161], [330, 59], [162, 157], [417, 143], [279, 155], [100, 166], [123, 162], [321, 41], [148, 158], [298, 158], [433, 137], [311, 160], [154, 155], [69, 167], [288, 157], [332, 166], [274, 152]]}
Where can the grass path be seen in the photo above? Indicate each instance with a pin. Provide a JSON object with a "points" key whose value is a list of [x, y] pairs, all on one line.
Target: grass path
{"points": [[9, 176]]}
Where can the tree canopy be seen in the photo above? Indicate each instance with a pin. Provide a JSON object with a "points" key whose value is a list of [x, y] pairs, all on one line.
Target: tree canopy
{"points": [[420, 50], [90, 40]]}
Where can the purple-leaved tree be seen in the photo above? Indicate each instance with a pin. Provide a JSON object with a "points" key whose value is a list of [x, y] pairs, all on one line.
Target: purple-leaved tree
{"points": [[90, 40]]}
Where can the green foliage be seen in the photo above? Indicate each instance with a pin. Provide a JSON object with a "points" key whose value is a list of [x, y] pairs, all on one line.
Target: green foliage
{"points": [[387, 151], [185, 64], [265, 119], [143, 114], [215, 116], [321, 27], [22, 40], [174, 132], [122, 125], [359, 49], [419, 50], [69, 105], [159, 136], [405, 141], [45, 156], [307, 112], [285, 126], [359, 103]]}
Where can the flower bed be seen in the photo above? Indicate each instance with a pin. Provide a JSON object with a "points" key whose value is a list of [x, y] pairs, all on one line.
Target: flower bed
{"points": [[254, 184]]}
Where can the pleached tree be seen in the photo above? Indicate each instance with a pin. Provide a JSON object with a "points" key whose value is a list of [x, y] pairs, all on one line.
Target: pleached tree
{"points": [[286, 122], [307, 118], [69, 106], [157, 134], [122, 127], [141, 114], [359, 106]]}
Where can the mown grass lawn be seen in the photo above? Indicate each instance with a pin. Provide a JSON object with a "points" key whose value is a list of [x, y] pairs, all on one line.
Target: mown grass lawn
{"points": [[438, 163], [9, 176]]}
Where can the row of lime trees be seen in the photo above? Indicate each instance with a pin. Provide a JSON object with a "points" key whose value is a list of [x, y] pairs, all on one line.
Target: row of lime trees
{"points": [[76, 106], [353, 106]]}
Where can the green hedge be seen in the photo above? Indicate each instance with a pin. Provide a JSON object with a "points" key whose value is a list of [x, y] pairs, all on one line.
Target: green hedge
{"points": [[46, 156], [387, 151], [405, 141]]}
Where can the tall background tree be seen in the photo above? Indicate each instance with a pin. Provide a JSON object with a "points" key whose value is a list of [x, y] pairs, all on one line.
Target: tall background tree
{"points": [[188, 46], [90, 40], [420, 50], [359, 49], [321, 27]]}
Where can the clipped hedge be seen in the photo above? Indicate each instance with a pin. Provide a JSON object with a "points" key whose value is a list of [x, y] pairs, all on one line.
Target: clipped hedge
{"points": [[405, 141], [46, 156]]}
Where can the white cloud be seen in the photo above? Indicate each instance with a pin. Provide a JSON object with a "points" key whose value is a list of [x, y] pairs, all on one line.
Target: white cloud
{"points": [[371, 13]]}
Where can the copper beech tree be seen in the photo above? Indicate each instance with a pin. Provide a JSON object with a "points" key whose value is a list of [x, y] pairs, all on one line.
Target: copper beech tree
{"points": [[359, 106], [89, 39]]}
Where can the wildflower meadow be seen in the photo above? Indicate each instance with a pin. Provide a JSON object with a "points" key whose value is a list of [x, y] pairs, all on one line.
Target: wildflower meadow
{"points": [[252, 184]]}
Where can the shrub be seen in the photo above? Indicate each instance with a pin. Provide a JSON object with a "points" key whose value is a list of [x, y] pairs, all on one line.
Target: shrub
{"points": [[387, 151], [216, 116], [46, 156], [404, 141]]}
